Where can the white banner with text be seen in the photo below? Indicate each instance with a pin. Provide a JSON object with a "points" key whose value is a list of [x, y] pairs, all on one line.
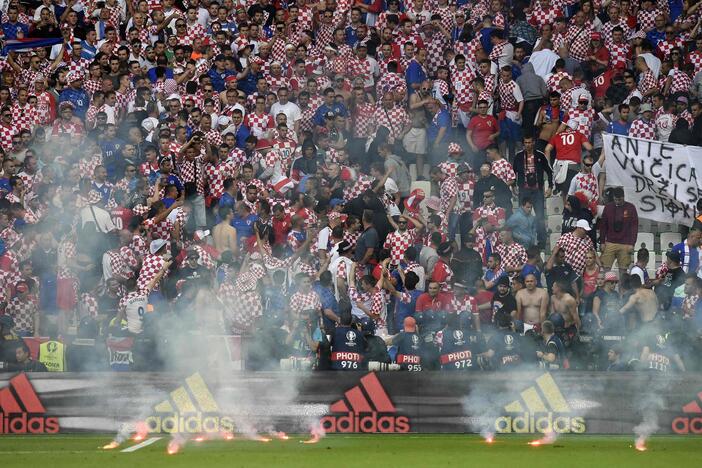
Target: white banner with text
{"points": [[660, 179]]}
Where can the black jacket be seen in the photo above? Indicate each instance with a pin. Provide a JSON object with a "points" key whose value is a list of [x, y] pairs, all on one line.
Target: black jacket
{"points": [[503, 195], [542, 166]]}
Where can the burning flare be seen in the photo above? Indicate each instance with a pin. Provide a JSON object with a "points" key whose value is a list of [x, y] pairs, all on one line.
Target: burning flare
{"points": [[640, 444], [316, 435], [141, 432], [547, 439], [199, 438], [227, 436], [280, 435], [489, 439], [173, 447], [112, 445], [263, 439]]}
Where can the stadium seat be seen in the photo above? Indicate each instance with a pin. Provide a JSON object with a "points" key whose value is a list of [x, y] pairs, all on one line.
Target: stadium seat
{"points": [[554, 223], [413, 171], [669, 239], [554, 206], [644, 239], [644, 225], [553, 238]]}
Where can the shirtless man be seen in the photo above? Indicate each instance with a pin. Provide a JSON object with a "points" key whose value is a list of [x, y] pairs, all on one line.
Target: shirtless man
{"points": [[643, 301], [549, 119], [224, 234], [564, 304], [532, 302]]}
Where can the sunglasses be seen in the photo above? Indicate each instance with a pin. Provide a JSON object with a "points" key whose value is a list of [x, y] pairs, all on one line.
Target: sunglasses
{"points": [[587, 165]]}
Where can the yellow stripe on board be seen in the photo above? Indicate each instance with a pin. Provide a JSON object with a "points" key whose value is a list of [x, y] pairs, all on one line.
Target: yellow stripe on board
{"points": [[202, 394], [182, 400], [533, 400], [552, 393]]}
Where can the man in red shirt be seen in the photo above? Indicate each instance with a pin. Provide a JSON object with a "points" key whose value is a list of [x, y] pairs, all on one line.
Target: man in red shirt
{"points": [[282, 224], [568, 145], [482, 132], [433, 299]]}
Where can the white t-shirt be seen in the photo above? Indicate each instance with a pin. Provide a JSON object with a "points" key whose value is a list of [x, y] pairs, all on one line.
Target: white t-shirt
{"points": [[135, 308], [664, 126], [104, 221], [290, 109]]}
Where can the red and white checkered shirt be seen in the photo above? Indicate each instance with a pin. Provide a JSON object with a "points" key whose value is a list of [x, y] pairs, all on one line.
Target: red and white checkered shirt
{"points": [[585, 118], [687, 116], [646, 19], [394, 120], [609, 26], [436, 46], [618, 54], [397, 242], [646, 82], [665, 47], [695, 58], [642, 129], [374, 301], [587, 184], [363, 183], [554, 81], [23, 313], [160, 230], [193, 171], [6, 134], [149, 269], [509, 94], [259, 124], [464, 202], [300, 302], [503, 170], [513, 255], [579, 39], [576, 250], [539, 16], [681, 82], [363, 119], [448, 189], [217, 174]]}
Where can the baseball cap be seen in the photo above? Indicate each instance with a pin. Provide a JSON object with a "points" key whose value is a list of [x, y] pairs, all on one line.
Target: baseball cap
{"points": [[582, 223], [611, 276], [344, 246], [596, 36], [434, 203], [444, 248], [674, 256], [409, 325], [681, 99], [454, 148], [329, 115], [336, 201], [646, 108]]}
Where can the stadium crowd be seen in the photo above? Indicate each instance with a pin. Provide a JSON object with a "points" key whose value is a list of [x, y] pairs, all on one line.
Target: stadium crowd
{"points": [[349, 184]]}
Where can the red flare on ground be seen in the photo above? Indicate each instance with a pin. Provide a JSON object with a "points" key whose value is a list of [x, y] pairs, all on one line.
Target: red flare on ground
{"points": [[489, 439], [142, 431], [227, 436], [112, 445], [547, 439], [173, 447], [640, 445], [312, 440], [281, 435], [535, 443], [263, 439], [199, 439]]}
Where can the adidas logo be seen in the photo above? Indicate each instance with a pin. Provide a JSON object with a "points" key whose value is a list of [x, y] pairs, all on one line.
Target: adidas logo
{"points": [[189, 409], [21, 411], [365, 408], [690, 424], [540, 408]]}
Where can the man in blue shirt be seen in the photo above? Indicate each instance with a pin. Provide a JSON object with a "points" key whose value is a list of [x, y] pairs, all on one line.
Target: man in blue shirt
{"points": [[330, 306], [240, 131], [75, 94], [621, 125], [218, 73], [12, 26], [437, 138], [330, 105], [248, 84], [416, 73], [243, 222], [689, 251]]}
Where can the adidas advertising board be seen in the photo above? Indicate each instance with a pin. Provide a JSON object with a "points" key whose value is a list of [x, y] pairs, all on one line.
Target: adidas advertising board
{"points": [[21, 410], [346, 402], [540, 408]]}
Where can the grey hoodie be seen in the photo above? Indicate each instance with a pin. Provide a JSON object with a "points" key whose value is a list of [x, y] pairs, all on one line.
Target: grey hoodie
{"points": [[532, 85]]}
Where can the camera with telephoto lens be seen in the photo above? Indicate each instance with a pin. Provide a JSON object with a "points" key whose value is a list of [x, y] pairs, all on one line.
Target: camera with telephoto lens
{"points": [[381, 366], [295, 364]]}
